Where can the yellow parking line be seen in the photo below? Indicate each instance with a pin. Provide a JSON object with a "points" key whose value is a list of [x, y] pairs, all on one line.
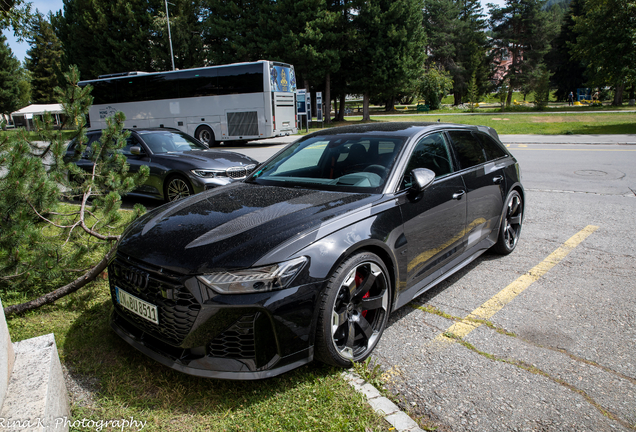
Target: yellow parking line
{"points": [[506, 295]]}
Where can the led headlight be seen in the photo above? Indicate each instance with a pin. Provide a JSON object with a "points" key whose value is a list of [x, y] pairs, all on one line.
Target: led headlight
{"points": [[252, 280], [207, 173]]}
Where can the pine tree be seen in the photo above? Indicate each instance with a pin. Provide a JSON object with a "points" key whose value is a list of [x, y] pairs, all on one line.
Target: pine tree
{"points": [[237, 30], [457, 41], [107, 37], [606, 37], [40, 246], [43, 60], [9, 78], [522, 30], [186, 31], [568, 73], [390, 50]]}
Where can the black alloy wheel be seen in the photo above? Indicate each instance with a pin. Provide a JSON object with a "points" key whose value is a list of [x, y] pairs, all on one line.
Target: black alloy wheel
{"points": [[177, 187], [510, 225], [354, 311]]}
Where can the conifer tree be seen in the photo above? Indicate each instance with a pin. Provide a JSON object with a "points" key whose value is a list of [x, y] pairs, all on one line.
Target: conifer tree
{"points": [[43, 60], [606, 41], [521, 30], [390, 50], [568, 72], [107, 37], [39, 245], [9, 79], [186, 31]]}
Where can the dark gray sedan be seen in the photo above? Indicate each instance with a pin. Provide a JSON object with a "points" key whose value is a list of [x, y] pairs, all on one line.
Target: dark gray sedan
{"points": [[179, 164]]}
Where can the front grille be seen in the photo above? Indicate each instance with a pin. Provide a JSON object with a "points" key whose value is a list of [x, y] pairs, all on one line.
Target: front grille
{"points": [[237, 341], [176, 306], [239, 172]]}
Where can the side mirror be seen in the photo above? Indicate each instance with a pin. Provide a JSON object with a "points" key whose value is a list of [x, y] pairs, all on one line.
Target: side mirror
{"points": [[422, 178], [136, 150]]}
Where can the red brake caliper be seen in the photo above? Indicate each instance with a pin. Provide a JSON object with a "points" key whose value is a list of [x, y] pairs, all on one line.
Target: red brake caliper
{"points": [[358, 280]]}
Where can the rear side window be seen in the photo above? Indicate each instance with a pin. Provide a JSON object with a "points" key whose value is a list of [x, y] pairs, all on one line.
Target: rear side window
{"points": [[493, 149], [468, 149]]}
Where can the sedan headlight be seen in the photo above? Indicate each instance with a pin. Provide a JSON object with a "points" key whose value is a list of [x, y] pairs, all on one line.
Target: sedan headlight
{"points": [[208, 173], [252, 280]]}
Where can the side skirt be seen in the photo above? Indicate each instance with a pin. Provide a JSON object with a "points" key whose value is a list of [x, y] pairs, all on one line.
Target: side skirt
{"points": [[444, 272]]}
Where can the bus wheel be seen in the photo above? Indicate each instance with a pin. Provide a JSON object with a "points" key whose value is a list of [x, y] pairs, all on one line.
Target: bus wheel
{"points": [[205, 135], [177, 187]]}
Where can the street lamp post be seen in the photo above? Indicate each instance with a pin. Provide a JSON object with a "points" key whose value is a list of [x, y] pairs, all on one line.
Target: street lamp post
{"points": [[169, 36]]}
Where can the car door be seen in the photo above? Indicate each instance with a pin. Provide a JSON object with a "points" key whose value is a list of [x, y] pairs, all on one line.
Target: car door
{"points": [[485, 185], [154, 183], [434, 221]]}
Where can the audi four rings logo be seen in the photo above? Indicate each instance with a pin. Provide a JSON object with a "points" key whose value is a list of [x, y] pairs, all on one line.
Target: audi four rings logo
{"points": [[136, 277]]}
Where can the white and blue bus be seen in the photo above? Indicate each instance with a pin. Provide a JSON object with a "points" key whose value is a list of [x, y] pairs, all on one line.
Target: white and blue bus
{"points": [[235, 102]]}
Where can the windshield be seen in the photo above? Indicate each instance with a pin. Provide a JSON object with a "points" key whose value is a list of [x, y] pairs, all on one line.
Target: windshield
{"points": [[356, 163], [170, 142]]}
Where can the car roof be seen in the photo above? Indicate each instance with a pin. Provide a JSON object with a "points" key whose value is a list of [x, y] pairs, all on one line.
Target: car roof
{"points": [[149, 129], [406, 129]]}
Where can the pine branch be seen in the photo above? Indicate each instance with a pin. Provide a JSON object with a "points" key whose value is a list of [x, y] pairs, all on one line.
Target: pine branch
{"points": [[78, 283]]}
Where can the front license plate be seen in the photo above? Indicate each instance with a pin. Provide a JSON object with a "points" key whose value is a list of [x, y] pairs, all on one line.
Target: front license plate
{"points": [[137, 306]]}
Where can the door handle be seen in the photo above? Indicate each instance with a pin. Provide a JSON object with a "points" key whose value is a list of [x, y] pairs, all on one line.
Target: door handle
{"points": [[498, 179], [459, 195]]}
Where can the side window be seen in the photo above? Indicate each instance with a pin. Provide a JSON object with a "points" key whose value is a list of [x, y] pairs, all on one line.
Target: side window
{"points": [[431, 152], [468, 148], [88, 152], [493, 149], [130, 142]]}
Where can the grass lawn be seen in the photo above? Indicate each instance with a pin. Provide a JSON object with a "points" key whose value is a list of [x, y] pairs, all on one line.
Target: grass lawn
{"points": [[123, 383], [550, 123]]}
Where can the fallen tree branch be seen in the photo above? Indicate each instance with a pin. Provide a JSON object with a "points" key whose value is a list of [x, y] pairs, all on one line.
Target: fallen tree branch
{"points": [[78, 283]]}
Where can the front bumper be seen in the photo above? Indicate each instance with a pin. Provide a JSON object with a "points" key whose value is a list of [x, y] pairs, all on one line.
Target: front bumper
{"points": [[243, 337]]}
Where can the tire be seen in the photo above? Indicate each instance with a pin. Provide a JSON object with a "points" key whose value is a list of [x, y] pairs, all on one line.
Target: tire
{"points": [[176, 188], [205, 135], [354, 309], [511, 222]]}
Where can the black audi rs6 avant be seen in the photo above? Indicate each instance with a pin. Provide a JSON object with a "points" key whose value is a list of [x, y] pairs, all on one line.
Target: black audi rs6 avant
{"points": [[307, 257]]}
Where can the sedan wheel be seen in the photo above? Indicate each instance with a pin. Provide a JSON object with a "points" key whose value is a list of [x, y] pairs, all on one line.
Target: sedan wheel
{"points": [[510, 225], [354, 311], [177, 188]]}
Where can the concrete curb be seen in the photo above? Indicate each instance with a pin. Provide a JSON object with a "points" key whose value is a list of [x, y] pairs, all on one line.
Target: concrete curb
{"points": [[33, 394], [381, 405]]}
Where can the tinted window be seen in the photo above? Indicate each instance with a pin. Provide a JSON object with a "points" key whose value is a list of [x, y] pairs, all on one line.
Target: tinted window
{"points": [[168, 142], [240, 79], [432, 153], [493, 149], [131, 141], [130, 89], [468, 149], [103, 92], [164, 86], [196, 83]]}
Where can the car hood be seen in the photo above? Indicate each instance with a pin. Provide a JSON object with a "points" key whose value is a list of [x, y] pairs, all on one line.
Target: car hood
{"points": [[208, 158], [232, 226]]}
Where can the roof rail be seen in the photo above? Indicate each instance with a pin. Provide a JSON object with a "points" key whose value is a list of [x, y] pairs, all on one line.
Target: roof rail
{"points": [[120, 74]]}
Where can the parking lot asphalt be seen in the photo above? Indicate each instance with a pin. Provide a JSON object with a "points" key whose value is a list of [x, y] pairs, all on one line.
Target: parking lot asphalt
{"points": [[560, 355]]}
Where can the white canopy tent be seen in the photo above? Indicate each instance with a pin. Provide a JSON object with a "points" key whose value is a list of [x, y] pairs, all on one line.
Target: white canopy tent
{"points": [[24, 117]]}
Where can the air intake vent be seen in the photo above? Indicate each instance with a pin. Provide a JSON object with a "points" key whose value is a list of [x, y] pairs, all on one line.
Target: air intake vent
{"points": [[242, 123]]}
